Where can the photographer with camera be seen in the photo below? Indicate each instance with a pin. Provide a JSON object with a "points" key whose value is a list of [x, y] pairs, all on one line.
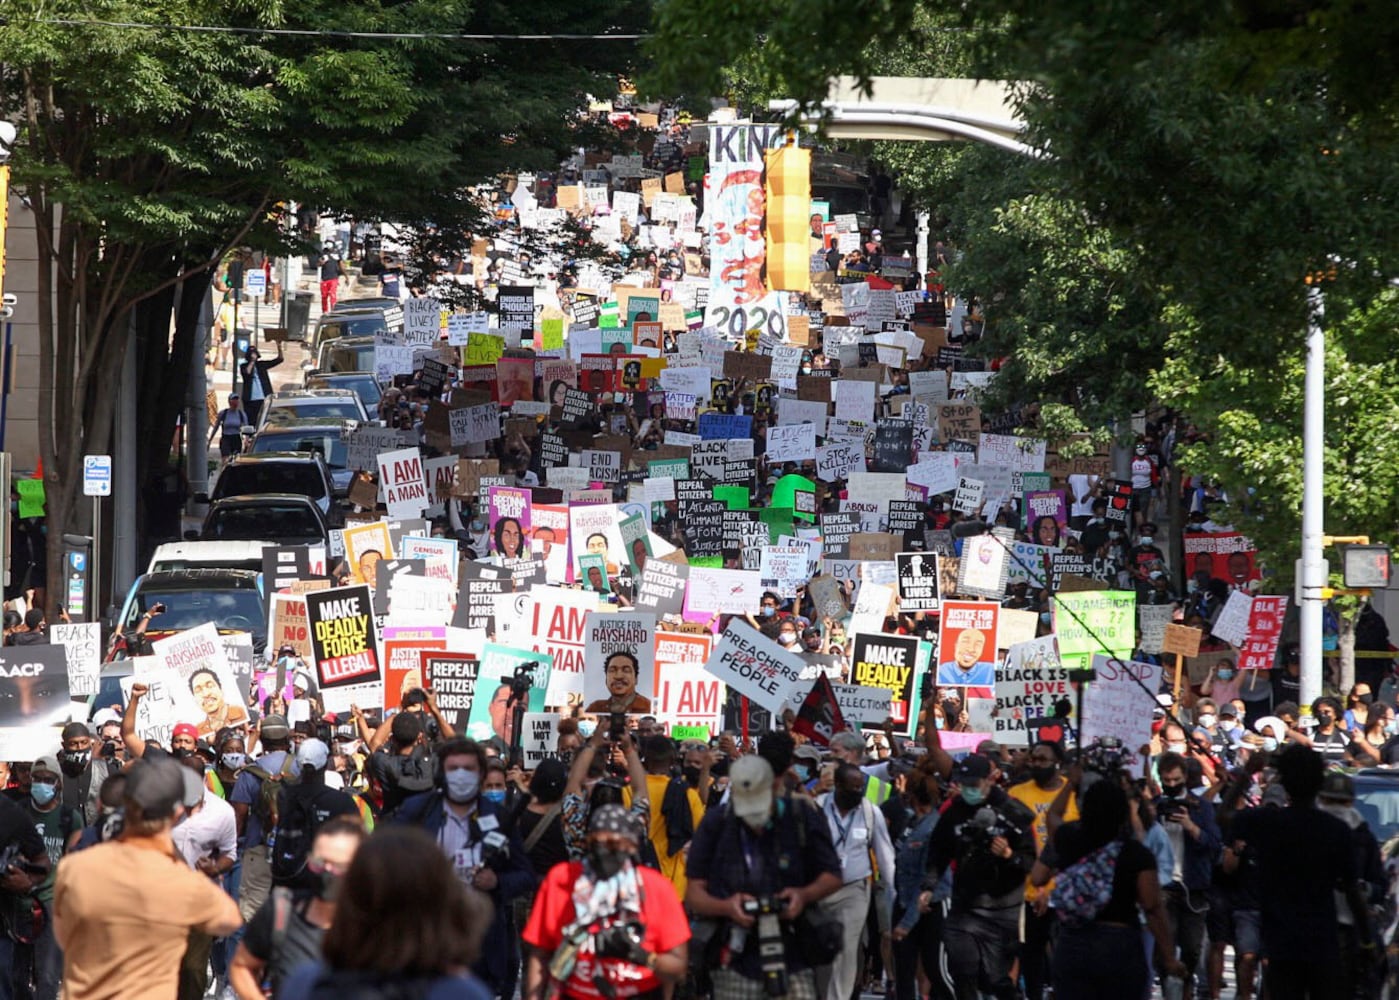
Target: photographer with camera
{"points": [[757, 865], [1194, 836], [989, 839], [605, 927]]}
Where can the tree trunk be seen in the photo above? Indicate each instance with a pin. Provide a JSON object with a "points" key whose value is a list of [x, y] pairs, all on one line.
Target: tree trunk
{"points": [[1345, 641]]}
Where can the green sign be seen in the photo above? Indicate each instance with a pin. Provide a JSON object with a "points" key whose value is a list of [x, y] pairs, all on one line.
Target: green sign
{"points": [[690, 733], [1087, 621]]}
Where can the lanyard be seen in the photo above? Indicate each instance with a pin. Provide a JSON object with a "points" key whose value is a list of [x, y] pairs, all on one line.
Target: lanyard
{"points": [[844, 831]]}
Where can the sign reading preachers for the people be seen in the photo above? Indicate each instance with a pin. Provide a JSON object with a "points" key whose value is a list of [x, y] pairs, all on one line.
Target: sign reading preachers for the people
{"points": [[755, 666]]}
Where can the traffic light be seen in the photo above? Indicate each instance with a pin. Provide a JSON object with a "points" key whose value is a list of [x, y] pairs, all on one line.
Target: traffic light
{"points": [[787, 184], [1365, 567]]}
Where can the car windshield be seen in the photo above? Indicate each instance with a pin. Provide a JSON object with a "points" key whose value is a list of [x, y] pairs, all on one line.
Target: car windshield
{"points": [[363, 386], [271, 477], [1377, 799], [318, 409], [349, 359], [353, 326], [234, 608], [326, 444], [268, 522]]}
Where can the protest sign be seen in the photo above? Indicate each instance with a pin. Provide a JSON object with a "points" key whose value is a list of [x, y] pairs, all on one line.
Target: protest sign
{"points": [[819, 716], [1028, 686], [879, 660], [1086, 621], [491, 709], [754, 666], [1181, 640], [540, 737], [985, 565], [619, 662], [167, 703], [287, 624], [1153, 619], [863, 706], [686, 693], [1221, 555], [918, 581], [967, 644], [1232, 623], [970, 494], [83, 643], [452, 677], [345, 646], [559, 620], [198, 659], [404, 484], [1264, 630], [1119, 702]]}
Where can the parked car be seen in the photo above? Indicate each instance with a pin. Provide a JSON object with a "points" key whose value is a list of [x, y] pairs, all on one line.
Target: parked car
{"points": [[230, 598], [351, 319], [326, 438], [274, 518], [363, 384], [293, 404], [206, 555], [350, 354], [301, 472]]}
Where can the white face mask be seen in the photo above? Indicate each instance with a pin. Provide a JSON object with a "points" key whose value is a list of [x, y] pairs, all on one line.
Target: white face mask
{"points": [[787, 638], [1176, 747], [1207, 721], [462, 785], [1146, 540]]}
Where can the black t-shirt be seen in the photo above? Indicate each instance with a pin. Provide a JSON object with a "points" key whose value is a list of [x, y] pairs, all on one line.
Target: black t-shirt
{"points": [[302, 942], [1134, 859], [17, 829], [550, 848], [1304, 856], [330, 267], [1332, 746]]}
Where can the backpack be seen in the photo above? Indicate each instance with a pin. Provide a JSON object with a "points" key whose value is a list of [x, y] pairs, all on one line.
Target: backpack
{"points": [[293, 833], [265, 806], [1084, 888]]}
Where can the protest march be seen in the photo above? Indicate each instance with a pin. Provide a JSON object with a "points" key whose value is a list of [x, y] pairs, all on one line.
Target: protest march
{"points": [[700, 601]]}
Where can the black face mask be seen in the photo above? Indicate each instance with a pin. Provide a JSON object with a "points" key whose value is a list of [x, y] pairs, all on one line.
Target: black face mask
{"points": [[1173, 791], [1043, 774], [328, 887], [845, 799], [72, 762], [691, 774], [605, 863]]}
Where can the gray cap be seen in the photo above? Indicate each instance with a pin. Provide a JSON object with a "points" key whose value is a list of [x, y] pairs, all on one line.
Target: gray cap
{"points": [[156, 785], [48, 762], [274, 727], [194, 787]]}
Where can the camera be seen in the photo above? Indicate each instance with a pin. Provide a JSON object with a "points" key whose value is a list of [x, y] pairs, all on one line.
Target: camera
{"points": [[985, 826], [495, 850], [1104, 756], [772, 954], [617, 726]]}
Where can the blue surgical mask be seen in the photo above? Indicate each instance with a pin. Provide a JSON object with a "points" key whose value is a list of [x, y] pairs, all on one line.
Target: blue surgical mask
{"points": [[803, 771], [1046, 618], [234, 761], [973, 796], [769, 612], [496, 795], [1225, 675], [42, 794], [1391, 727], [462, 784]]}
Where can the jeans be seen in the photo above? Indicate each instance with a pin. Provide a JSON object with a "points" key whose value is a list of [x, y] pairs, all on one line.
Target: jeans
{"points": [[1034, 956], [7, 961], [981, 946], [1099, 962], [1185, 912]]}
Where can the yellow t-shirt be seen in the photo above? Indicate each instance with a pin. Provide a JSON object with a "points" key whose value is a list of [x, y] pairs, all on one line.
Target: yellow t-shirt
{"points": [[672, 864], [1038, 801]]}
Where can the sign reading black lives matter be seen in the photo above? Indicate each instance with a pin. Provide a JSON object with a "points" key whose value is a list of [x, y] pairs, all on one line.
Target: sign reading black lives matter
{"points": [[918, 581]]}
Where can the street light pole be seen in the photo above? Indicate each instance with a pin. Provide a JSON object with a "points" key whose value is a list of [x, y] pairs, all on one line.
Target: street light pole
{"points": [[1313, 565]]}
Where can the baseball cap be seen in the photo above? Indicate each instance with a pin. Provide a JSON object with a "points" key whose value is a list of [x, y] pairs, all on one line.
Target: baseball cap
{"points": [[185, 729], [1228, 711], [274, 727], [104, 716], [312, 753], [807, 752], [193, 793], [156, 785], [48, 762], [750, 787], [972, 767]]}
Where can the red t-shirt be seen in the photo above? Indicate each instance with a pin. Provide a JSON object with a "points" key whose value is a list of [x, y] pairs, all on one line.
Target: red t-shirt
{"points": [[661, 915]]}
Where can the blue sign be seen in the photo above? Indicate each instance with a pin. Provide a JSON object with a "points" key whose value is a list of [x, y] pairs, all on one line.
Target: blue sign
{"points": [[97, 475], [724, 426]]}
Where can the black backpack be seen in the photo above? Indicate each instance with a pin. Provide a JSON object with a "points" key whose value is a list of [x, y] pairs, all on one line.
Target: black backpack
{"points": [[292, 836]]}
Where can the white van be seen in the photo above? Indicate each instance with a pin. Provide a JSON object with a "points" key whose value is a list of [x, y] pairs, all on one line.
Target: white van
{"points": [[207, 555]]}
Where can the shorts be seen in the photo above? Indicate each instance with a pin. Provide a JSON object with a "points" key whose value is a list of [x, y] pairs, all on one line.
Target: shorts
{"points": [[1248, 932], [1141, 498]]}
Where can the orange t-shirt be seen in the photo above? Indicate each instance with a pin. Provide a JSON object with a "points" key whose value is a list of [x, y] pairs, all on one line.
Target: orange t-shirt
{"points": [[124, 914]]}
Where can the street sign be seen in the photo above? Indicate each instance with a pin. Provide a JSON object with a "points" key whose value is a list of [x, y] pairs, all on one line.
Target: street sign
{"points": [[255, 281], [97, 475]]}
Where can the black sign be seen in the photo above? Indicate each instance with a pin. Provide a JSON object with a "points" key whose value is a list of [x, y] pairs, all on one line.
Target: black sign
{"points": [[893, 446]]}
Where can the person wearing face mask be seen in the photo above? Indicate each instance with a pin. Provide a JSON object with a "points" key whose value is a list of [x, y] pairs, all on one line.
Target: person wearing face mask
{"points": [[762, 845], [1358, 708], [1327, 737], [1190, 826], [605, 926], [787, 634], [83, 776], [485, 850], [861, 839], [304, 804], [988, 840], [266, 954], [137, 880], [1039, 794], [60, 827]]}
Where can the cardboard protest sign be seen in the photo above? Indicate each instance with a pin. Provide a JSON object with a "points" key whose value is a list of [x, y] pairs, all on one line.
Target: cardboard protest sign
{"points": [[1028, 687], [83, 643], [879, 660], [452, 677], [619, 662], [1181, 640], [1232, 623], [967, 644], [1014, 626], [345, 646], [1264, 630], [491, 714], [819, 716], [918, 581], [754, 666], [365, 546], [198, 659], [287, 625], [1086, 621], [1119, 703]]}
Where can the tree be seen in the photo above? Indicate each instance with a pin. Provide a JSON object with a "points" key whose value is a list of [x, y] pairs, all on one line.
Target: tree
{"points": [[147, 153]]}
